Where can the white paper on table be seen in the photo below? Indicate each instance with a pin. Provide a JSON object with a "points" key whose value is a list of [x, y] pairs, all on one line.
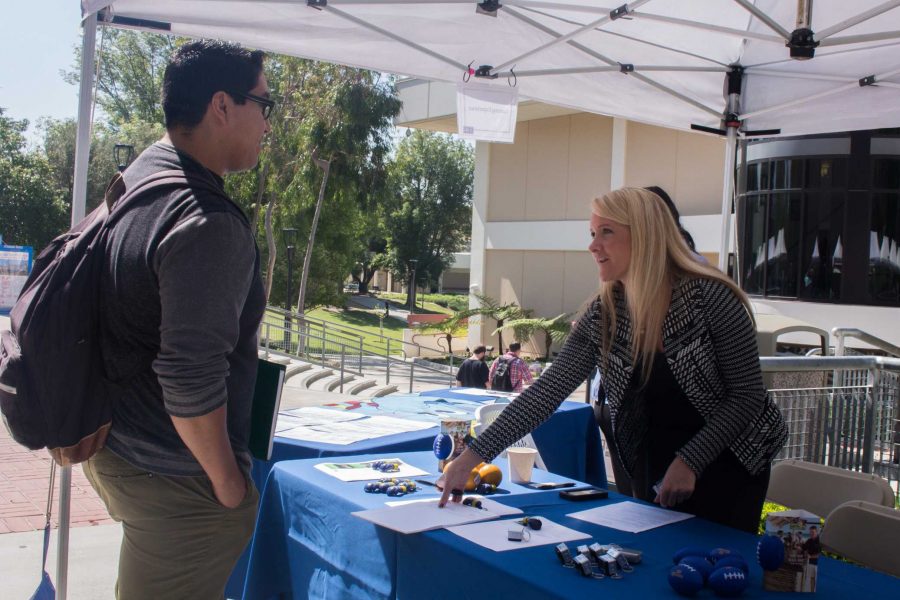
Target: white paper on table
{"points": [[363, 471], [493, 535], [481, 392], [630, 516], [352, 431], [312, 415], [416, 516]]}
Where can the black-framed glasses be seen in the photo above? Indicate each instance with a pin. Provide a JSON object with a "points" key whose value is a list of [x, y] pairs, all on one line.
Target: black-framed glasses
{"points": [[267, 104]]}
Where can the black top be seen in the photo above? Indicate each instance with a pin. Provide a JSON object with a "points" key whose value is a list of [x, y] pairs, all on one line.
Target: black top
{"points": [[473, 373], [182, 302]]}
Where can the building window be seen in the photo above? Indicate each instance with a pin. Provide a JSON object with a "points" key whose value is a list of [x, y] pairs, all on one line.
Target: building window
{"points": [[823, 228]]}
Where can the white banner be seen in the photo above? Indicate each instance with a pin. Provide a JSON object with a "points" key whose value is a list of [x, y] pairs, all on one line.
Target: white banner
{"points": [[487, 112]]}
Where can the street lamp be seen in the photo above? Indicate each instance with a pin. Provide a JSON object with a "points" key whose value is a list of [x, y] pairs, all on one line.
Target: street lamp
{"points": [[289, 235], [122, 153], [411, 290]]}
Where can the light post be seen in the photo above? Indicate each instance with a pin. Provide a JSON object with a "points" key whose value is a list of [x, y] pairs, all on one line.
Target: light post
{"points": [[123, 153], [289, 235], [411, 290]]}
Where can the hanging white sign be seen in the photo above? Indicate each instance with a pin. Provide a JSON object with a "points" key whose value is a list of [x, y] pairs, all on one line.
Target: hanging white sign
{"points": [[487, 112]]}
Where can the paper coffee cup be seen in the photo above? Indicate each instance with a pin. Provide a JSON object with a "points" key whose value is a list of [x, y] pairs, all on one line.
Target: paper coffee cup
{"points": [[521, 462]]}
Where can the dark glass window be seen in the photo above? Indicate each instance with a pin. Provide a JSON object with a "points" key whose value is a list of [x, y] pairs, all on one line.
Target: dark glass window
{"points": [[821, 254], [884, 260], [753, 232], [886, 173], [783, 245]]}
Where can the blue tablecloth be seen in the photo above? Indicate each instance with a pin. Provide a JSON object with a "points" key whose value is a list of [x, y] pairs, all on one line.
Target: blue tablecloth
{"points": [[308, 545], [569, 443]]}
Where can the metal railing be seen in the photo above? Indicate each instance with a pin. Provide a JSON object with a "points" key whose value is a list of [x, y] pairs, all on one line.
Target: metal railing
{"points": [[347, 356], [841, 333], [370, 342], [841, 411]]}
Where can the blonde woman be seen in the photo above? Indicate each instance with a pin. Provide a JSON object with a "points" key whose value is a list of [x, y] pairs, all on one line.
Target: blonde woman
{"points": [[674, 341]]}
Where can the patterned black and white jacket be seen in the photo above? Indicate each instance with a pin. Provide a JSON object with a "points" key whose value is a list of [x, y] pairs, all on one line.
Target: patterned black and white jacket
{"points": [[710, 346]]}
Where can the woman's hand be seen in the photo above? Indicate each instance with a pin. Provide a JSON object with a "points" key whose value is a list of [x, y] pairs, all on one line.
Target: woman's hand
{"points": [[455, 476], [677, 485]]}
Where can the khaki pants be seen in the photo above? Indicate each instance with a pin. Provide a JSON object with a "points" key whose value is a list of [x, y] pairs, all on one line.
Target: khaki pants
{"points": [[178, 541]]}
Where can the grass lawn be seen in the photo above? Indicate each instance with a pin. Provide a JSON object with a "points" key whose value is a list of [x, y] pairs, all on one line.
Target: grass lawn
{"points": [[399, 301]]}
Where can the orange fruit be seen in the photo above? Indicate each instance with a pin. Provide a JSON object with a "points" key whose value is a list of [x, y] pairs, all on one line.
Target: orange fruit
{"points": [[490, 474]]}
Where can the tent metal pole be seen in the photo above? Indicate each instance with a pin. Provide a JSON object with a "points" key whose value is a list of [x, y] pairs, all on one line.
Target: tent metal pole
{"points": [[62, 554], [462, 68], [864, 16], [769, 21], [844, 88], [727, 196], [859, 39], [565, 38], [83, 135]]}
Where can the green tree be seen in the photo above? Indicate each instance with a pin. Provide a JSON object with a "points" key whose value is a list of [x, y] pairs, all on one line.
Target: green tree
{"points": [[450, 327], [32, 207], [345, 117], [428, 214], [130, 76], [554, 330], [501, 313]]}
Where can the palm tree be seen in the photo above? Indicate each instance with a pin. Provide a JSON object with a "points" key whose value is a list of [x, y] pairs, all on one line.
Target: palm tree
{"points": [[501, 313], [554, 330], [452, 326]]}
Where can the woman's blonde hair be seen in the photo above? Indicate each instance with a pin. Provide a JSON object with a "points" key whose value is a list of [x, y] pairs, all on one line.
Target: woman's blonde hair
{"points": [[659, 258]]}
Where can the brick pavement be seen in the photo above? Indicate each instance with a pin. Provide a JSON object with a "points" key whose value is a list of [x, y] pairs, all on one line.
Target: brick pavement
{"points": [[24, 479]]}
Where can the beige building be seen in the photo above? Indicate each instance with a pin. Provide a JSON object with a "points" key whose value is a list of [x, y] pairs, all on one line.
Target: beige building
{"points": [[531, 198]]}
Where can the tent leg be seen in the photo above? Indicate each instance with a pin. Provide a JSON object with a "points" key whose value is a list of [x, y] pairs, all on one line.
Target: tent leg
{"points": [[727, 197], [83, 135], [62, 553]]}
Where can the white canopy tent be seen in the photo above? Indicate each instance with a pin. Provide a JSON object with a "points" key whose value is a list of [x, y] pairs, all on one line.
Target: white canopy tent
{"points": [[722, 66]]}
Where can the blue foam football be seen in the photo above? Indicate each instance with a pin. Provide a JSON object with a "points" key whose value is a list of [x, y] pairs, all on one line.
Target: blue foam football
{"points": [[716, 553], [728, 582], [734, 561], [698, 563], [770, 552], [689, 551], [685, 579], [443, 446]]}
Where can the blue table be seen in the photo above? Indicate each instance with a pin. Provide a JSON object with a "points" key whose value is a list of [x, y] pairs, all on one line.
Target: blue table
{"points": [[308, 545], [569, 443]]}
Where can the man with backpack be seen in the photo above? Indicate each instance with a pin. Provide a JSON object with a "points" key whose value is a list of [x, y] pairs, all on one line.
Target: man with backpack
{"points": [[182, 302], [509, 373]]}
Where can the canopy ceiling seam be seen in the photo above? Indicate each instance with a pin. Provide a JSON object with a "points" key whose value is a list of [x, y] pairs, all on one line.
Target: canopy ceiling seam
{"points": [[860, 18], [354, 19], [860, 39], [831, 92], [601, 57], [565, 38], [628, 37], [611, 68], [765, 19]]}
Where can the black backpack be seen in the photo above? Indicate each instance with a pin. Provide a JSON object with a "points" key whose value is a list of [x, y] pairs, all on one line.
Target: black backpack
{"points": [[54, 391], [502, 379]]}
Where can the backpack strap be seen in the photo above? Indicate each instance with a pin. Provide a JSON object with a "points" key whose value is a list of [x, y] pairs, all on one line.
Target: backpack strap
{"points": [[117, 198]]}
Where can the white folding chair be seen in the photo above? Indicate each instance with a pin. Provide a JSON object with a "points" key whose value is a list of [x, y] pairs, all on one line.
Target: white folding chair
{"points": [[820, 489], [487, 413], [866, 533]]}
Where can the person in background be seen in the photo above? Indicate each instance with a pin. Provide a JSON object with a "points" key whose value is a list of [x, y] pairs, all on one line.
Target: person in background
{"points": [[473, 372], [689, 240], [509, 373], [676, 347], [183, 268]]}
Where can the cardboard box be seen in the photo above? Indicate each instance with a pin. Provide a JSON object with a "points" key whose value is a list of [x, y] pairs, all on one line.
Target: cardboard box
{"points": [[799, 532], [458, 430]]}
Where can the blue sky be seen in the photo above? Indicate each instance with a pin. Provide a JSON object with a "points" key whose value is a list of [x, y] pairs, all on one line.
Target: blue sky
{"points": [[36, 41]]}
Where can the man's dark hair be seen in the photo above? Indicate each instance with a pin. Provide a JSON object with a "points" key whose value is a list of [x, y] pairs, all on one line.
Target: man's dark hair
{"points": [[689, 240], [479, 350], [515, 347], [198, 70]]}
